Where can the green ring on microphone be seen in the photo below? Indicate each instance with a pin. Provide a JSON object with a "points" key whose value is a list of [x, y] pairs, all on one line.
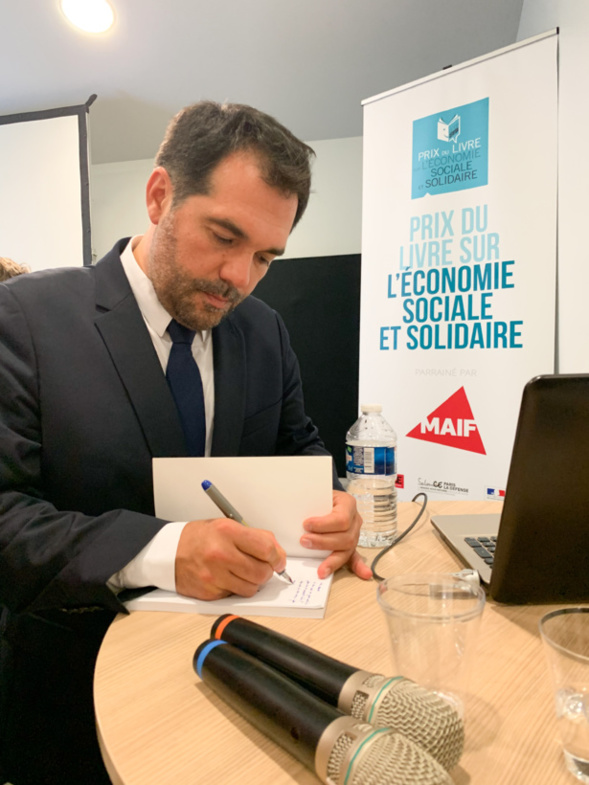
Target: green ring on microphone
{"points": [[380, 692], [366, 740]]}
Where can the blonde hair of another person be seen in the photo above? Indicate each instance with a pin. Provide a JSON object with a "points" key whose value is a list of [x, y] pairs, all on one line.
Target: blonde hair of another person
{"points": [[8, 268]]}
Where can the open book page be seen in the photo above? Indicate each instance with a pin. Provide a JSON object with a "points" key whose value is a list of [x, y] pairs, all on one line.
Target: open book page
{"points": [[307, 596]]}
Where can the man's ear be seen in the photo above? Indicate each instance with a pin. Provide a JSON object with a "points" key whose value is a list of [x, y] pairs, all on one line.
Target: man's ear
{"points": [[158, 194]]}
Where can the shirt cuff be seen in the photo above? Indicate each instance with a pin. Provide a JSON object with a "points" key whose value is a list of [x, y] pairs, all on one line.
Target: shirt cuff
{"points": [[154, 565]]}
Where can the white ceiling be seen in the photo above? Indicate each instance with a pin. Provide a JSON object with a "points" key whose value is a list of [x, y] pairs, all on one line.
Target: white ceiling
{"points": [[308, 62]]}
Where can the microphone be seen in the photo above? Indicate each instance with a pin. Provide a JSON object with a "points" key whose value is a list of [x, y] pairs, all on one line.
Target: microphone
{"points": [[340, 749], [397, 703]]}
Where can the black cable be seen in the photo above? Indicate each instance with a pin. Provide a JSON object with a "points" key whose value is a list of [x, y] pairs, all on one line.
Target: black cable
{"points": [[399, 537]]}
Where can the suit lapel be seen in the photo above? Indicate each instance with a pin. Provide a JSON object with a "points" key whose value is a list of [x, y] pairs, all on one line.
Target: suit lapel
{"points": [[230, 369], [127, 340]]}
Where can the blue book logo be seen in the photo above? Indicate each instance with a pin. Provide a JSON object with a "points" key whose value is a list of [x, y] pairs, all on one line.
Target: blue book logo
{"points": [[451, 150]]}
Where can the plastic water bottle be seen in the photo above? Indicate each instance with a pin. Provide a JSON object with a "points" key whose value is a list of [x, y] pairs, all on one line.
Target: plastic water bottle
{"points": [[371, 469]]}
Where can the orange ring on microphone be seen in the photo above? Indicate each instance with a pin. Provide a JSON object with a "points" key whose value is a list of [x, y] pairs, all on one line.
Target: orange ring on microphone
{"points": [[224, 623]]}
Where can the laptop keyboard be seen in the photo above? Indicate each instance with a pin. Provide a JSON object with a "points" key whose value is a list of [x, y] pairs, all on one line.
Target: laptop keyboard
{"points": [[483, 546]]}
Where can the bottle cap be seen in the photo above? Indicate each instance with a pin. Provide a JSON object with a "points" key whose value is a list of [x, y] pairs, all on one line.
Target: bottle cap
{"points": [[370, 407]]}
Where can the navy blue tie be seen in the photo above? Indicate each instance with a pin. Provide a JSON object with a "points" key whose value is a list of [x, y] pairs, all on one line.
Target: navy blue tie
{"points": [[185, 383]]}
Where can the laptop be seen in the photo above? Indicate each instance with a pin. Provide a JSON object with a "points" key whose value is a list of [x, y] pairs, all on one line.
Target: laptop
{"points": [[537, 549]]}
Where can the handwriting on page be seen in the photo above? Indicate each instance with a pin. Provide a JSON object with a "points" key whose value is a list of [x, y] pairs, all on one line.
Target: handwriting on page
{"points": [[307, 593]]}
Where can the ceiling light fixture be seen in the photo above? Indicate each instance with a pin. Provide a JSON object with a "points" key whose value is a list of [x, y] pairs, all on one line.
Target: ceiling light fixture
{"points": [[92, 16]]}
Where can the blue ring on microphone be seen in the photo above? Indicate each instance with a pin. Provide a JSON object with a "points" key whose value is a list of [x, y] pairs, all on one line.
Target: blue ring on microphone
{"points": [[203, 654]]}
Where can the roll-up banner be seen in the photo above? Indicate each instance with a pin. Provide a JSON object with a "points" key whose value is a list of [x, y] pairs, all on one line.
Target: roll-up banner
{"points": [[458, 286]]}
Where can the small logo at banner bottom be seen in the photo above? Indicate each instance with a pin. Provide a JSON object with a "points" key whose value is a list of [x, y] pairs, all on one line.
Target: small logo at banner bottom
{"points": [[495, 493], [452, 425], [441, 486]]}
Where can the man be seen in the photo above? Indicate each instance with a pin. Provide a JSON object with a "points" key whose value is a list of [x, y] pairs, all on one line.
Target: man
{"points": [[85, 405]]}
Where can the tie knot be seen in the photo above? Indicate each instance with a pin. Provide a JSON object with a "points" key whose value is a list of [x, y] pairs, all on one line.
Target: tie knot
{"points": [[179, 333]]}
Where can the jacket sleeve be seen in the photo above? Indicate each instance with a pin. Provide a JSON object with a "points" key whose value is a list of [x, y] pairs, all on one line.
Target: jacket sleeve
{"points": [[49, 557]]}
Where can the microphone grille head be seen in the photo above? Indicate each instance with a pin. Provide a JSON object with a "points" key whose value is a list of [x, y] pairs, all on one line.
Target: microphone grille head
{"points": [[362, 755], [422, 716], [338, 753]]}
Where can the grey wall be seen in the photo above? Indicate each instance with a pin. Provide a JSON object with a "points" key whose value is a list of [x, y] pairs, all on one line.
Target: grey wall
{"points": [[331, 226], [572, 19]]}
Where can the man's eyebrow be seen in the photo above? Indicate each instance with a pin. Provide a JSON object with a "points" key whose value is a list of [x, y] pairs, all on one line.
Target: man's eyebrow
{"points": [[225, 223]]}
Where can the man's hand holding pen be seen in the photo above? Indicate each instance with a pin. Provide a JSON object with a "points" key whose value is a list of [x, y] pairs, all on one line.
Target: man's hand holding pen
{"points": [[219, 557], [229, 511]]}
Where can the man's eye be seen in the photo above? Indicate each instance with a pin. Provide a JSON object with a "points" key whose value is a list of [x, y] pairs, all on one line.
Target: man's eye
{"points": [[222, 240], [263, 260]]}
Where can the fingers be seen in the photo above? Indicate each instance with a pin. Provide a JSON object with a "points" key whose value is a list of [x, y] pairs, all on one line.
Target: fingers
{"points": [[353, 561], [338, 541], [219, 557], [337, 532], [359, 567], [259, 544], [341, 517]]}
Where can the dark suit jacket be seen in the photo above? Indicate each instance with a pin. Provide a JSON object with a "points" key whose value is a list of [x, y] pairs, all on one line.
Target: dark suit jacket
{"points": [[84, 407]]}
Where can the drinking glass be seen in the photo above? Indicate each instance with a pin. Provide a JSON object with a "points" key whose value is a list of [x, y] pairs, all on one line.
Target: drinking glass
{"points": [[565, 635]]}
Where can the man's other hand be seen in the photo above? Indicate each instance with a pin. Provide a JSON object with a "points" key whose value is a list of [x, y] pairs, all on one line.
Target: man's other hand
{"points": [[337, 532]]}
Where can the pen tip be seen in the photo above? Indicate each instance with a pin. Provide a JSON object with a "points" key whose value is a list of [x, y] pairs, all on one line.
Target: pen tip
{"points": [[206, 484]]}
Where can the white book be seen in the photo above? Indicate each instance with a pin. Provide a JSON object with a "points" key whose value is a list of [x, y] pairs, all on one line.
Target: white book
{"points": [[275, 493], [307, 597]]}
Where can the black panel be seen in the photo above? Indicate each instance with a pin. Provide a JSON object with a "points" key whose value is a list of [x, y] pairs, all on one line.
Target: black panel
{"points": [[319, 300]]}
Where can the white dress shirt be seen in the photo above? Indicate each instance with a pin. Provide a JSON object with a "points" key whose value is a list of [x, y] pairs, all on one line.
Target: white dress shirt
{"points": [[154, 565]]}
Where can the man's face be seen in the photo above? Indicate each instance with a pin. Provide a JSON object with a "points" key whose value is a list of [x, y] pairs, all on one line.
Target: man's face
{"points": [[208, 253]]}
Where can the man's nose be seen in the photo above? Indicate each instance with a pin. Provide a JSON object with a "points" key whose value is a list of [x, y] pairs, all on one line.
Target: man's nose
{"points": [[237, 270]]}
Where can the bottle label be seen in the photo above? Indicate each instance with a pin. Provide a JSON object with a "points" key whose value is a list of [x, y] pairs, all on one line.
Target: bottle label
{"points": [[371, 460]]}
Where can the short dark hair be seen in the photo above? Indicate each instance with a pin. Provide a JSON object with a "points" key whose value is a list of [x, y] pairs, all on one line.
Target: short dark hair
{"points": [[200, 136]]}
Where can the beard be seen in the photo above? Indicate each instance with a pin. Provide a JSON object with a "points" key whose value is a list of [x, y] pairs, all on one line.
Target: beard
{"points": [[178, 291]]}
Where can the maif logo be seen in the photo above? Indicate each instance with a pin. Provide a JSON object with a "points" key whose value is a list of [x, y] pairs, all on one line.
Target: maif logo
{"points": [[452, 425], [451, 150]]}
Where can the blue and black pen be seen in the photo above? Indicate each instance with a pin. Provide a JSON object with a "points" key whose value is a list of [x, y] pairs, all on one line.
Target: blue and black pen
{"points": [[229, 511]]}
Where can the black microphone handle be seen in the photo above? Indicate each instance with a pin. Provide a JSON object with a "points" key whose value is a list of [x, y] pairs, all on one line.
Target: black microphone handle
{"points": [[284, 711], [309, 667]]}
